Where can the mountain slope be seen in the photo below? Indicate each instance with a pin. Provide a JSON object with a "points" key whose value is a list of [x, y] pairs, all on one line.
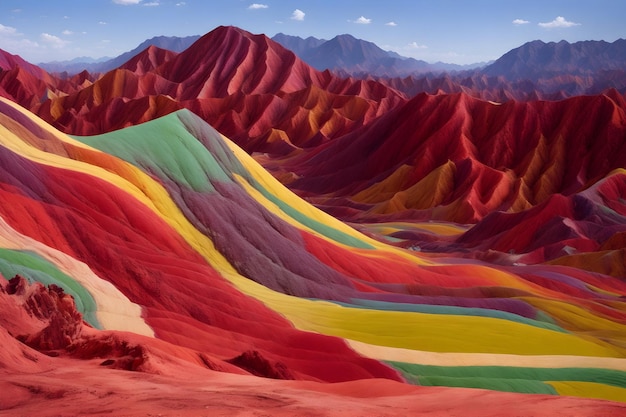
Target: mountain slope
{"points": [[296, 113], [183, 256], [178, 219], [455, 158], [345, 51], [285, 105]]}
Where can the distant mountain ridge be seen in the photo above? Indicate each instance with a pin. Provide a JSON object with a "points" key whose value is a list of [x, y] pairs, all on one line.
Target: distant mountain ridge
{"points": [[170, 43], [537, 59], [296, 44], [534, 71], [348, 55], [344, 54]]}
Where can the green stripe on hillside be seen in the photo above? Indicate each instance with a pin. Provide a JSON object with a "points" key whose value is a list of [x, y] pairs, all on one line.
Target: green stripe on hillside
{"points": [[164, 148], [36, 269], [181, 148], [506, 378]]}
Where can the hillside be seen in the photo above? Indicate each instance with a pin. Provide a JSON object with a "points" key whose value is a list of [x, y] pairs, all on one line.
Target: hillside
{"points": [[163, 211], [301, 116], [209, 217]]}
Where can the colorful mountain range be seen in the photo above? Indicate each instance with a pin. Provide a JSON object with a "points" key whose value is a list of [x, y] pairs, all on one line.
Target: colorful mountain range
{"points": [[250, 235]]}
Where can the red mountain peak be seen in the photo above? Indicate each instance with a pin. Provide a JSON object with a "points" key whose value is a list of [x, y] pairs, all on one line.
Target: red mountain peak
{"points": [[148, 60], [229, 59], [9, 61]]}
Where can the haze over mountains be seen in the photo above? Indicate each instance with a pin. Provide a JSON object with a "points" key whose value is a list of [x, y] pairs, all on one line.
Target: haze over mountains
{"points": [[171, 43], [535, 70], [537, 59], [347, 55], [344, 54], [228, 212]]}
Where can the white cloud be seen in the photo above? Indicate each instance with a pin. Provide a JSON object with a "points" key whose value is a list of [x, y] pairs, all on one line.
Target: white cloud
{"points": [[152, 4], [559, 22], [67, 32], [102, 23], [520, 22], [181, 3], [18, 46], [298, 15], [363, 20], [52, 40], [8, 30], [415, 50], [415, 45], [255, 6], [391, 24], [126, 2], [14, 41]]}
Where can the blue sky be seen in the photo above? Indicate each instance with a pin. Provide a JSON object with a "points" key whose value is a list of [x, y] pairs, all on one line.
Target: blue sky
{"points": [[455, 31]]}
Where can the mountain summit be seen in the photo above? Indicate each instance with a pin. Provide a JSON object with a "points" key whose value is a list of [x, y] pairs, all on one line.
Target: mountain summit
{"points": [[537, 59], [348, 55]]}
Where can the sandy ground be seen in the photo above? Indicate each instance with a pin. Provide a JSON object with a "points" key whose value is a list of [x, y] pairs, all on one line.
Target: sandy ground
{"points": [[84, 388]]}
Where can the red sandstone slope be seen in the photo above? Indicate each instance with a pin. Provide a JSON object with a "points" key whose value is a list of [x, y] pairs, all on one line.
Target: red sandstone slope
{"points": [[9, 61], [560, 226], [49, 356], [368, 150], [250, 66], [29, 85], [148, 60], [455, 158], [247, 86]]}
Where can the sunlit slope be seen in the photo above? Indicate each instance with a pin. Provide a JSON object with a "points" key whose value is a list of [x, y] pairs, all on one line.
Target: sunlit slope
{"points": [[361, 149], [247, 86], [457, 158], [123, 225], [223, 259]]}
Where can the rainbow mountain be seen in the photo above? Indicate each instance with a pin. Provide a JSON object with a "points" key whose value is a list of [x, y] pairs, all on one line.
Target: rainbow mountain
{"points": [[163, 247]]}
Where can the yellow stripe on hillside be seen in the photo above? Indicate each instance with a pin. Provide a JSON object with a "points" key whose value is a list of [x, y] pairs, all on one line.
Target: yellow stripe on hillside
{"points": [[272, 185], [491, 276], [437, 333], [399, 329], [441, 229], [420, 357], [589, 390], [573, 316]]}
